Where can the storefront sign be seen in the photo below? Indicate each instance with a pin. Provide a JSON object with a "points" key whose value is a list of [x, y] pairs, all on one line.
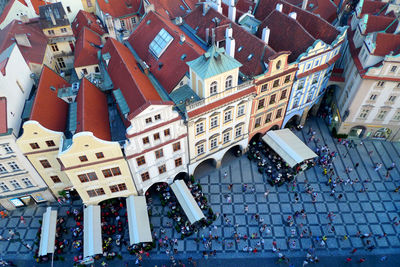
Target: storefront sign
{"points": [[17, 202]]}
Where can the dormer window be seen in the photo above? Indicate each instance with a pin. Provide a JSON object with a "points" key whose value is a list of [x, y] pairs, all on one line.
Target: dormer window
{"points": [[213, 88], [228, 82]]}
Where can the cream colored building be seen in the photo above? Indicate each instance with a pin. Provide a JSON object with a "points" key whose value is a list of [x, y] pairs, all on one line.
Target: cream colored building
{"points": [[218, 121]]}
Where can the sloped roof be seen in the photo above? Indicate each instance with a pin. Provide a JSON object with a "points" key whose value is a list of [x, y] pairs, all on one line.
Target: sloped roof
{"points": [[213, 63], [374, 7], [86, 19], [85, 49], [386, 43], [250, 50], [325, 8], [48, 109], [119, 8], [92, 111], [57, 10], [126, 76], [3, 115], [170, 67], [381, 23], [173, 9], [37, 3], [37, 39], [4, 56], [8, 7]]}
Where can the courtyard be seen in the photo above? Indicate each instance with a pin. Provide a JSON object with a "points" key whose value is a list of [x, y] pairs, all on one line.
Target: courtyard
{"points": [[368, 207]]}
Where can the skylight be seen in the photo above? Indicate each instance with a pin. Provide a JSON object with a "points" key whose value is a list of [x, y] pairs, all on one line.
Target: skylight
{"points": [[160, 43]]}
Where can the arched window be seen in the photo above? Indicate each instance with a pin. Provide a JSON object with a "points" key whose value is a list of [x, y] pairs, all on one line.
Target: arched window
{"points": [[278, 65], [228, 82], [213, 88]]}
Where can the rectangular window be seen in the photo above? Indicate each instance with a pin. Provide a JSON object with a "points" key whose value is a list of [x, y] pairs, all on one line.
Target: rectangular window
{"points": [[380, 84], [272, 99], [200, 128], [118, 187], [122, 24], [396, 116], [4, 187], [278, 114], [54, 47], [213, 143], [276, 83], [214, 122], [27, 182], [162, 169], [268, 117], [178, 162], [287, 79], [91, 193], [159, 153], [364, 113], [200, 149], [382, 114], [257, 123], [34, 145], [176, 146], [240, 110], [227, 137], [133, 20], [166, 132], [69, 11], [392, 98], [261, 103], [85, 72], [116, 171], [393, 69], [15, 184], [140, 161], [283, 94], [50, 143], [145, 140], [238, 131], [56, 179], [228, 116], [372, 97], [96, 69], [83, 158], [145, 176], [61, 63], [157, 117], [107, 173], [7, 148], [264, 87], [156, 136], [2, 169], [100, 191], [148, 120], [50, 32], [63, 30], [14, 166], [99, 155], [89, 3], [96, 192]]}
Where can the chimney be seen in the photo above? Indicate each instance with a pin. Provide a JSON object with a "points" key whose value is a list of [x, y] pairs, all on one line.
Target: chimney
{"points": [[212, 36], [205, 8], [53, 19], [22, 39], [279, 7], [24, 18], [182, 38], [219, 6], [293, 15], [207, 35], [229, 42], [304, 4], [232, 11], [265, 34]]}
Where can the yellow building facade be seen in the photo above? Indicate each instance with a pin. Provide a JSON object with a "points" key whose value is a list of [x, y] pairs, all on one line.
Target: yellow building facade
{"points": [[97, 169]]}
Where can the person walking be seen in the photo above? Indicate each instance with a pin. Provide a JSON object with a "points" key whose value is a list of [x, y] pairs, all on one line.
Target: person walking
{"points": [[22, 219], [225, 174]]}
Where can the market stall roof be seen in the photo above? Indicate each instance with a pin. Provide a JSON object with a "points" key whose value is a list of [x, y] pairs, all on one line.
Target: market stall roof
{"points": [[186, 200], [92, 241], [138, 220], [288, 146], [48, 235]]}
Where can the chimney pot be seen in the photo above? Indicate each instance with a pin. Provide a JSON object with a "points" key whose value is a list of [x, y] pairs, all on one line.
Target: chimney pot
{"points": [[182, 38], [279, 7], [265, 34], [293, 15], [229, 42]]}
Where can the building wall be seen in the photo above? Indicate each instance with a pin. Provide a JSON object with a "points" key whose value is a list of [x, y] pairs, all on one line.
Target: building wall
{"points": [[89, 5], [17, 10], [263, 118], [71, 7], [135, 147], [111, 159], [18, 178], [16, 86], [33, 132], [90, 69]]}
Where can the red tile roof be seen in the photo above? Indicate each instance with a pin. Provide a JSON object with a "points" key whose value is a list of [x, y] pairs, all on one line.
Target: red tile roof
{"points": [[37, 3], [173, 67], [126, 75], [37, 39], [92, 111], [374, 7], [325, 8], [381, 23], [86, 19], [242, 6], [3, 115], [249, 43], [121, 8], [48, 109], [8, 7], [85, 51], [173, 9], [386, 43]]}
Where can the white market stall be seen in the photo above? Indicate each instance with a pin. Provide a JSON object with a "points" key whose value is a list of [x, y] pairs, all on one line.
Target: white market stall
{"points": [[48, 233], [186, 200], [138, 220], [288, 146], [92, 240]]}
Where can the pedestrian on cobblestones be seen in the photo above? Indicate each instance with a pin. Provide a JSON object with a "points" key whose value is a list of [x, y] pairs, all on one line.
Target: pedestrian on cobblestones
{"points": [[22, 220], [225, 174], [348, 260], [246, 208], [230, 186], [378, 166], [266, 193], [361, 260]]}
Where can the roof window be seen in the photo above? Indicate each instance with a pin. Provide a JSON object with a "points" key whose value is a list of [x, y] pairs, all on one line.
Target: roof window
{"points": [[240, 48], [183, 57], [162, 40], [250, 57]]}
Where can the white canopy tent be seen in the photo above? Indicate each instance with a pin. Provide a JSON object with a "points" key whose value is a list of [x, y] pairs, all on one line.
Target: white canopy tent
{"points": [[48, 234], [138, 220], [92, 241], [186, 200], [288, 146]]}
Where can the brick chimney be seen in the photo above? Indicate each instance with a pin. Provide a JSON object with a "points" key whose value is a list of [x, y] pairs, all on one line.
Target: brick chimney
{"points": [[232, 11], [229, 42]]}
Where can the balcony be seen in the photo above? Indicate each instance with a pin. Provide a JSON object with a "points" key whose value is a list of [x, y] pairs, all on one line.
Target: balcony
{"points": [[63, 54]]}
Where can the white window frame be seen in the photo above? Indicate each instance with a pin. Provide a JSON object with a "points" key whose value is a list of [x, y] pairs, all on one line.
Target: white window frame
{"points": [[4, 187], [14, 166], [15, 184], [228, 116], [200, 149], [213, 143], [241, 109], [213, 88], [226, 137], [27, 182], [238, 131], [199, 128]]}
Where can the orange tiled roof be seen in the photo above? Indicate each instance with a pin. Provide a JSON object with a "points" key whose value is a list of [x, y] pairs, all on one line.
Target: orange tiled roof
{"points": [[86, 19], [92, 111], [120, 8], [48, 109], [85, 49], [173, 9]]}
